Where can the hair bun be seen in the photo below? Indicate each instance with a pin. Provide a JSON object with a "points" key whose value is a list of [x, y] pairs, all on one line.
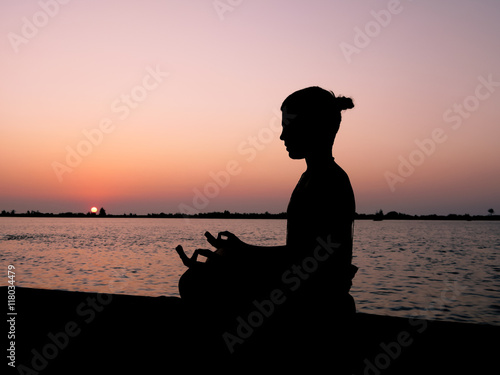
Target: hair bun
{"points": [[344, 103]]}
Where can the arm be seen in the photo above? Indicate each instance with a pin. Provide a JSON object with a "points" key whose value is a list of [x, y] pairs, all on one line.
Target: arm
{"points": [[264, 249], [233, 242]]}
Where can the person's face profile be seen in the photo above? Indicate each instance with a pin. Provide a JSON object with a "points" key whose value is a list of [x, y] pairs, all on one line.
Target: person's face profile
{"points": [[294, 134]]}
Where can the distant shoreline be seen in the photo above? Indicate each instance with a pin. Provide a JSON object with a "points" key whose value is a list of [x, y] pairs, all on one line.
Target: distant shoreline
{"points": [[236, 215]]}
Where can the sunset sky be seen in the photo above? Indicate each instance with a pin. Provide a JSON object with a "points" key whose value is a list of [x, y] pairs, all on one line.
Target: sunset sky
{"points": [[163, 106]]}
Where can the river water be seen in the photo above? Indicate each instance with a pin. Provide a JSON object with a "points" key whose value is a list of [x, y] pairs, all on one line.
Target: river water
{"points": [[446, 270]]}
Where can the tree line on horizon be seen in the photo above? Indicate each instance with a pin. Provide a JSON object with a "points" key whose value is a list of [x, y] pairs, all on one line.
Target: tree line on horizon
{"points": [[378, 216]]}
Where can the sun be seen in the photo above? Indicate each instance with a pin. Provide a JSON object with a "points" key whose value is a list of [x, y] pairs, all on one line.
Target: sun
{"points": [[93, 210]]}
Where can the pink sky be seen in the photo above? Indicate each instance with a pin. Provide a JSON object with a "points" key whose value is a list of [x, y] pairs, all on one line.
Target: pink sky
{"points": [[135, 106]]}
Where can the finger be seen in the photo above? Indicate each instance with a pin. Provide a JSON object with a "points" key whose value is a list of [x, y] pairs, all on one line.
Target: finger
{"points": [[183, 256], [211, 239], [225, 234]]}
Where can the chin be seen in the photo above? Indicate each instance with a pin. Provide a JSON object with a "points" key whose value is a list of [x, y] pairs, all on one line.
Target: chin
{"points": [[295, 155]]}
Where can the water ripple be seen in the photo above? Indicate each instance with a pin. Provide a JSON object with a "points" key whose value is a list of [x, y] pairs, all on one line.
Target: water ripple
{"points": [[438, 270]]}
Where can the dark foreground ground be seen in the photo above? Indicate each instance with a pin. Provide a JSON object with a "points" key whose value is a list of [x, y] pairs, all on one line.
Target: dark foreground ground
{"points": [[58, 332]]}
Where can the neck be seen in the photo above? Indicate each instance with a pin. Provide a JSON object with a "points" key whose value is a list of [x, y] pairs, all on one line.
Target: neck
{"points": [[319, 159]]}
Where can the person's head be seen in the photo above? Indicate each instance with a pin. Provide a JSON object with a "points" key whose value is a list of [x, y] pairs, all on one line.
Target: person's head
{"points": [[311, 118]]}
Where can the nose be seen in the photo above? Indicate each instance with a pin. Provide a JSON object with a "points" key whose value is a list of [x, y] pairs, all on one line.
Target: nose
{"points": [[283, 135]]}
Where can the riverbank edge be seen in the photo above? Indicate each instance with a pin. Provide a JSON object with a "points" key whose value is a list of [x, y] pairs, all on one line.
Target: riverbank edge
{"points": [[61, 332]]}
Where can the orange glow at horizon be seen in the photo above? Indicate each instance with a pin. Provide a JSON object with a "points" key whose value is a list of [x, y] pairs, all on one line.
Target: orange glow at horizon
{"points": [[140, 119]]}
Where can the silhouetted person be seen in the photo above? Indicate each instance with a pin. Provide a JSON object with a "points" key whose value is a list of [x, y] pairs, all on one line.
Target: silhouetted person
{"points": [[313, 268]]}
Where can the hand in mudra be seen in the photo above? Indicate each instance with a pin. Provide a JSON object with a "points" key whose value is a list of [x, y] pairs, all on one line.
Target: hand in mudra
{"points": [[230, 245], [224, 247], [190, 262]]}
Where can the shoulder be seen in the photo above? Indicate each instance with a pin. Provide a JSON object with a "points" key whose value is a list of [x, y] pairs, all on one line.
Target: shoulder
{"points": [[334, 177], [336, 187]]}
